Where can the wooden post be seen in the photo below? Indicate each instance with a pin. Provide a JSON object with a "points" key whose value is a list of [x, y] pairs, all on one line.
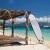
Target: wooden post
{"points": [[3, 27], [12, 27], [26, 28]]}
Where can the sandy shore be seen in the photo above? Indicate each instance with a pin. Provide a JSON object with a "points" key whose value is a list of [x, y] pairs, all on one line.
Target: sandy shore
{"points": [[31, 40], [26, 47]]}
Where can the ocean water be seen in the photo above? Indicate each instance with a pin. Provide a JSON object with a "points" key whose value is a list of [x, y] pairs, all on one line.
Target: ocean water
{"points": [[21, 30]]}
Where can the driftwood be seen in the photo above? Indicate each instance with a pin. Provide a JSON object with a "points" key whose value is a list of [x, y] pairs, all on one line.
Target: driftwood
{"points": [[9, 40]]}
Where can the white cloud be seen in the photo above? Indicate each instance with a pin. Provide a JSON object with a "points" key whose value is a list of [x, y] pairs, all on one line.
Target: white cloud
{"points": [[41, 19], [19, 19], [23, 19]]}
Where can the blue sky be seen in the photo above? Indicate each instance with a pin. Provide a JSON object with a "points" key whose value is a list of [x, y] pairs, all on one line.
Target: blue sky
{"points": [[39, 8]]}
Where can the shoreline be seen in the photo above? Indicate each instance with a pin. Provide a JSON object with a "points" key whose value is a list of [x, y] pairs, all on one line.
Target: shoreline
{"points": [[33, 39]]}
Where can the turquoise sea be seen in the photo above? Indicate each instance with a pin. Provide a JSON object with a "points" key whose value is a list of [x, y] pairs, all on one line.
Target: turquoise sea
{"points": [[21, 30]]}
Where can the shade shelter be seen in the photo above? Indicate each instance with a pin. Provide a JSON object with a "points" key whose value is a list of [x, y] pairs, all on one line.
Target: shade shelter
{"points": [[6, 14]]}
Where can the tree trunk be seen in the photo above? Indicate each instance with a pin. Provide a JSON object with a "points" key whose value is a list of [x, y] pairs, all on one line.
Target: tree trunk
{"points": [[3, 27], [12, 28], [27, 29]]}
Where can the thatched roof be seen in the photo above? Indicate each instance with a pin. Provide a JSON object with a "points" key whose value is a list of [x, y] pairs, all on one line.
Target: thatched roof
{"points": [[8, 14]]}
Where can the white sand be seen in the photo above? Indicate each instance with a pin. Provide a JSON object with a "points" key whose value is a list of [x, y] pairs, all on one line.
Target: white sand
{"points": [[36, 46], [26, 47]]}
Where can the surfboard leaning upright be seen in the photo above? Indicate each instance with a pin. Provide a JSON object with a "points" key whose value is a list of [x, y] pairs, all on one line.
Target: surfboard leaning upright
{"points": [[36, 28]]}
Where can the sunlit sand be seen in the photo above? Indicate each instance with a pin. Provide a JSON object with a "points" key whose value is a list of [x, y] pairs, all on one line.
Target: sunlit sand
{"points": [[32, 45]]}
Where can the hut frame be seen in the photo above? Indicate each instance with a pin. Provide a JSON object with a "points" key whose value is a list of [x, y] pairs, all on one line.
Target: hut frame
{"points": [[8, 14]]}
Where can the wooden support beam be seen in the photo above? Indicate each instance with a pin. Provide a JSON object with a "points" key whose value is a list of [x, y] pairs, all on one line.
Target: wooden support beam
{"points": [[26, 28], [12, 27], [3, 27]]}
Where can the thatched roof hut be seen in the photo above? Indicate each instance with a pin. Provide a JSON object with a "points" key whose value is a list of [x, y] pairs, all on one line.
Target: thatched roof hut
{"points": [[6, 14]]}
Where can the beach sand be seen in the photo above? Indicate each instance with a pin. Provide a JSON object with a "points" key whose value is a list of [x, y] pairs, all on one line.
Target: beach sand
{"points": [[26, 47], [32, 44]]}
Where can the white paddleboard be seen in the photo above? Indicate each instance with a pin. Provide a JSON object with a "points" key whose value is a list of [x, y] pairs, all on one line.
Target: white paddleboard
{"points": [[36, 28]]}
